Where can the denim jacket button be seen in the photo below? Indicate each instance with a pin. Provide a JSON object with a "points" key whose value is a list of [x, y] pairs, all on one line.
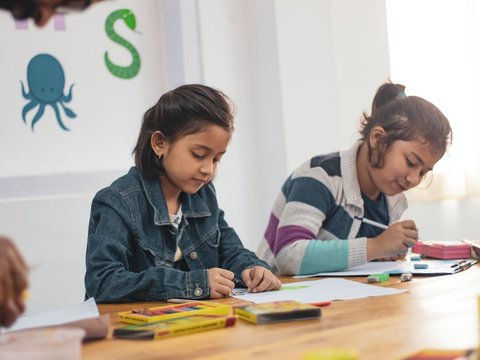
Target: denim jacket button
{"points": [[198, 291], [193, 255]]}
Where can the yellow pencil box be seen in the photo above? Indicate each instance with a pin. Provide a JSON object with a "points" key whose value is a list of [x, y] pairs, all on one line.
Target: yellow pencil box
{"points": [[174, 311], [277, 311], [173, 327]]}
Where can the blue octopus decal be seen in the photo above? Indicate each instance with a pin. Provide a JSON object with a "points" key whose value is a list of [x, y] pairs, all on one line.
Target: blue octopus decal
{"points": [[46, 81]]}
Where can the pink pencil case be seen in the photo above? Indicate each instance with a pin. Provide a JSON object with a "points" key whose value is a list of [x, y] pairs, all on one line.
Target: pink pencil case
{"points": [[443, 250]]}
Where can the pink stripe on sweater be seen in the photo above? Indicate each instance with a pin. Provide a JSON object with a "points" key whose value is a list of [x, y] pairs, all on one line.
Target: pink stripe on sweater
{"points": [[278, 238], [289, 234], [271, 231]]}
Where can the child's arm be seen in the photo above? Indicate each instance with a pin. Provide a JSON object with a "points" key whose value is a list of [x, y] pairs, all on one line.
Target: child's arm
{"points": [[114, 271], [232, 254], [108, 279], [298, 215]]}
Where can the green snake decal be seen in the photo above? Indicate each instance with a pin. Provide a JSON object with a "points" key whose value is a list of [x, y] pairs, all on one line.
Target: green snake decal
{"points": [[124, 72]]}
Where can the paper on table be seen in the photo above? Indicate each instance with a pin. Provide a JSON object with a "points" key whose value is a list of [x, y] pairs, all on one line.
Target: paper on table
{"points": [[435, 267], [318, 291], [84, 315]]}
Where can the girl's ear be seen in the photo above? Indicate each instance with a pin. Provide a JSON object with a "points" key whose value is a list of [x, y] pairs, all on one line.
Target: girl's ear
{"points": [[376, 133], [159, 143]]}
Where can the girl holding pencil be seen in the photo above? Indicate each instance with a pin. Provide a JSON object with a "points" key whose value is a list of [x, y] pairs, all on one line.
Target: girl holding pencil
{"points": [[157, 232], [343, 209]]}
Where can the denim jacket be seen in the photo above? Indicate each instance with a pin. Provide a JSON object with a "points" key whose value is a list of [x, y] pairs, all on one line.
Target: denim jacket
{"points": [[132, 243]]}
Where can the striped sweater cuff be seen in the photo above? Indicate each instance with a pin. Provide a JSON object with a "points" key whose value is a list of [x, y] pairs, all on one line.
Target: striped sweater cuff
{"points": [[357, 252]]}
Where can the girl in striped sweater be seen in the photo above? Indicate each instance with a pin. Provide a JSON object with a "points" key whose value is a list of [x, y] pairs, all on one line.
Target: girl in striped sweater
{"points": [[343, 209]]}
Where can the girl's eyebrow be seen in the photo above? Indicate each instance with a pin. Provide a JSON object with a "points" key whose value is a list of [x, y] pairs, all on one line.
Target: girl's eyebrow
{"points": [[206, 148]]}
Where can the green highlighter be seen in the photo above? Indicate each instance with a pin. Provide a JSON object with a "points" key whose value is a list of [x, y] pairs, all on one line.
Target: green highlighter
{"points": [[378, 278]]}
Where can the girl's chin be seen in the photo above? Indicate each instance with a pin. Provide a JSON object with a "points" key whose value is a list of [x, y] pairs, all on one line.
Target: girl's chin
{"points": [[393, 191], [191, 189]]}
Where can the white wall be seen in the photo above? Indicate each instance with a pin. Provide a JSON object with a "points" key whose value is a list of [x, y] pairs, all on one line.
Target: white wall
{"points": [[440, 63], [227, 63], [51, 233], [448, 220], [299, 86]]}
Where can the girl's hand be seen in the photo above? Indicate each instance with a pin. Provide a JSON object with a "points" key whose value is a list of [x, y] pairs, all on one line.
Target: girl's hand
{"points": [[260, 279], [394, 242], [393, 258], [220, 282]]}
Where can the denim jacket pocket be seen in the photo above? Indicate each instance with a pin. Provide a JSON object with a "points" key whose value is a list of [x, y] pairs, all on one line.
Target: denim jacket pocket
{"points": [[207, 250], [214, 239], [205, 232]]}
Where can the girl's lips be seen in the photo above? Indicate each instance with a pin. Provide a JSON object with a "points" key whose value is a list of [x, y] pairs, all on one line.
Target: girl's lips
{"points": [[200, 182]]}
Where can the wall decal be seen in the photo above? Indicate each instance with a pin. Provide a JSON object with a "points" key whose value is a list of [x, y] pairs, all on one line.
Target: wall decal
{"points": [[123, 72], [58, 23], [21, 24], [46, 81]]}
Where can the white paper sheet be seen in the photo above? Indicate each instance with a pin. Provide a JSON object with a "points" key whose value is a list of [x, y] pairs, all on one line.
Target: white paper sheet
{"points": [[318, 291], [435, 267], [85, 310]]}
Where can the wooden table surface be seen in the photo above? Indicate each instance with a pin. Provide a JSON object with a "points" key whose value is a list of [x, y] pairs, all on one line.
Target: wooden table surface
{"points": [[435, 312]]}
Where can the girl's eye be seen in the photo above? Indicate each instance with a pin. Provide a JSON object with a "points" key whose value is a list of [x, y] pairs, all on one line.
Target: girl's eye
{"points": [[198, 156], [409, 163], [216, 160]]}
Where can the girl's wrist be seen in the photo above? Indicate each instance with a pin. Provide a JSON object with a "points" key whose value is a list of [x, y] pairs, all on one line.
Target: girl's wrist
{"points": [[373, 249]]}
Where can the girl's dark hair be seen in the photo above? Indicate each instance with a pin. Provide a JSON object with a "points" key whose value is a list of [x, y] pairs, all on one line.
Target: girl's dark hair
{"points": [[180, 112], [404, 118]]}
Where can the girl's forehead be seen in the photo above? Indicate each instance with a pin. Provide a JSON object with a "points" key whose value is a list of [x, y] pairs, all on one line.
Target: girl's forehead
{"points": [[428, 147], [211, 136], [424, 150]]}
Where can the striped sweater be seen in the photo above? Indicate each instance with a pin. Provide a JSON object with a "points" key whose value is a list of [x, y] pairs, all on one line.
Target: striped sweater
{"points": [[312, 227]]}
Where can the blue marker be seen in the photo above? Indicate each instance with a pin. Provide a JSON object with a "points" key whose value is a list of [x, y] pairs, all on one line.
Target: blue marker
{"points": [[420, 266]]}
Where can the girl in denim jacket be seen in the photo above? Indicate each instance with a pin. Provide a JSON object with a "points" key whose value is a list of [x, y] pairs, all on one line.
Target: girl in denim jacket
{"points": [[157, 232], [343, 209]]}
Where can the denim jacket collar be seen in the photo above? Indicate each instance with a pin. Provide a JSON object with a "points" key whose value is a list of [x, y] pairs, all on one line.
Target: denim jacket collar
{"points": [[192, 204]]}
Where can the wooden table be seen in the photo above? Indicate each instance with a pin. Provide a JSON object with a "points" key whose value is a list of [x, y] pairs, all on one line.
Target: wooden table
{"points": [[435, 312]]}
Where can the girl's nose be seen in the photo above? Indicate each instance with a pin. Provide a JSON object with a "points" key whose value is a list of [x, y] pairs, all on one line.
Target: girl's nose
{"points": [[413, 178], [207, 168]]}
